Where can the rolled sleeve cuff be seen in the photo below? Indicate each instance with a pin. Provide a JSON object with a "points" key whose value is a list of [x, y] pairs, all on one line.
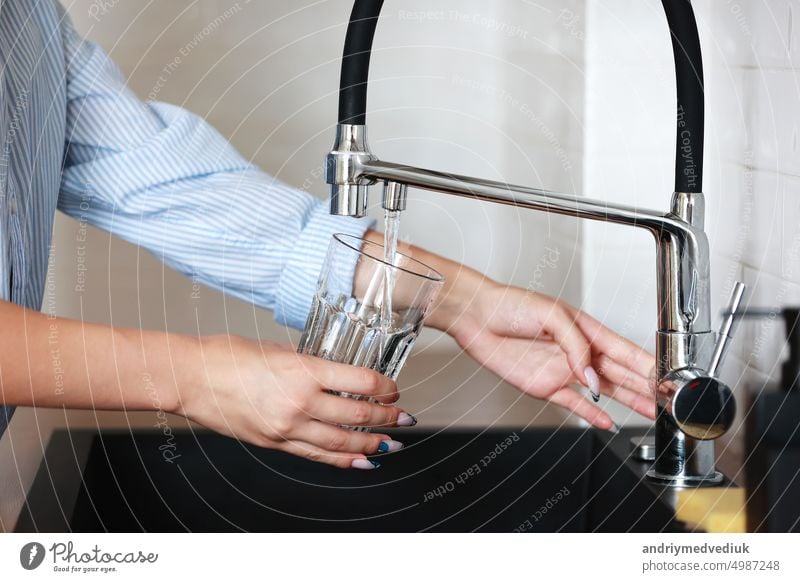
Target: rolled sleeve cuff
{"points": [[298, 282]]}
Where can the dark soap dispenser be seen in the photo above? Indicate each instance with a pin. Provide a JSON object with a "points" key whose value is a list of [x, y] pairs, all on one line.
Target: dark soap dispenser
{"points": [[772, 462]]}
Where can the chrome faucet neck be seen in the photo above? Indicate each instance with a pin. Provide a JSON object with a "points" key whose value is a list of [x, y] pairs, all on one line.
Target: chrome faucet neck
{"points": [[343, 171], [690, 207]]}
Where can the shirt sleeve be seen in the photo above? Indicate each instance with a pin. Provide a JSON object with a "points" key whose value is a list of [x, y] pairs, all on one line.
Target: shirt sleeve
{"points": [[162, 178]]}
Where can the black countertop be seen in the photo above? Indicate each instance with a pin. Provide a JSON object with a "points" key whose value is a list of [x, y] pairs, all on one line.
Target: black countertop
{"points": [[499, 480]]}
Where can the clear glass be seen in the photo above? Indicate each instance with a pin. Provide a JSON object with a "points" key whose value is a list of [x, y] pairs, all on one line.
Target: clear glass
{"points": [[346, 324]]}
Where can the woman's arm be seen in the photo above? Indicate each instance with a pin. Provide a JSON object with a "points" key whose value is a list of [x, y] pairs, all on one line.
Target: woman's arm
{"points": [[162, 178], [54, 362], [260, 392]]}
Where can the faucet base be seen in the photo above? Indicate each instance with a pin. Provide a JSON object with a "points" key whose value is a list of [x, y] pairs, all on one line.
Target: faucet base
{"points": [[714, 478]]}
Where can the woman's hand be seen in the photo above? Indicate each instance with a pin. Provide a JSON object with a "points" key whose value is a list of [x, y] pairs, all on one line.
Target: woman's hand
{"points": [[543, 346], [270, 396]]}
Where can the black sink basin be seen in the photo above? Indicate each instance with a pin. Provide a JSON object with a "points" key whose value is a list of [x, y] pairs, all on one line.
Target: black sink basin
{"points": [[450, 480]]}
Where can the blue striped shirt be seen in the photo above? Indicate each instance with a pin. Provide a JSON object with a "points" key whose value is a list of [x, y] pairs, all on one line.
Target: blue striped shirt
{"points": [[76, 139]]}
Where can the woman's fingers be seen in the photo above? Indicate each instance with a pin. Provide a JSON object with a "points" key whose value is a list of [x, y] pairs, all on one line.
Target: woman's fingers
{"points": [[542, 317], [339, 440], [560, 323], [575, 402], [616, 373], [319, 455], [355, 412], [353, 379], [614, 345], [644, 405]]}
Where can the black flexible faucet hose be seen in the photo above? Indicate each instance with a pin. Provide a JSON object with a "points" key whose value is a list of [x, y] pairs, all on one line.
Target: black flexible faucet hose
{"points": [[691, 97], [355, 61]]}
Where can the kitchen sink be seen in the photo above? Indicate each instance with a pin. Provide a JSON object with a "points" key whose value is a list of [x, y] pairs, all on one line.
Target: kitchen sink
{"points": [[539, 480]]}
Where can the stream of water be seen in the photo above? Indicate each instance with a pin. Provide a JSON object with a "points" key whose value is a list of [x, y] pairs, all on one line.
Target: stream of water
{"points": [[390, 229]]}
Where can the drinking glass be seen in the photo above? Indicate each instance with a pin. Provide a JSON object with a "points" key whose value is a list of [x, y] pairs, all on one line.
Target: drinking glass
{"points": [[368, 311]]}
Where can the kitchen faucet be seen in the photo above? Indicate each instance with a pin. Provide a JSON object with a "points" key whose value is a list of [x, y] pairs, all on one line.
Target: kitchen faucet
{"points": [[692, 406]]}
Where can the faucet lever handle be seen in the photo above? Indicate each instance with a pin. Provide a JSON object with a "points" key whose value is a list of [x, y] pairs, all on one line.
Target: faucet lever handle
{"points": [[726, 330]]}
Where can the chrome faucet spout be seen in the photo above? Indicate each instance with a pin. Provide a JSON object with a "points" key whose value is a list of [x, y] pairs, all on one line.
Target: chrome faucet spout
{"points": [[683, 257]]}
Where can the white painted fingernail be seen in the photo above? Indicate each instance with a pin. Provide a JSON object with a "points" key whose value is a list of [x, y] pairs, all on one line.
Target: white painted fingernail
{"points": [[614, 428], [405, 419], [594, 382], [365, 464]]}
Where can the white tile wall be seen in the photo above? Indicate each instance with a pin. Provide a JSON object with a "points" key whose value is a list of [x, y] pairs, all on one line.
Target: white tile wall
{"points": [[751, 48]]}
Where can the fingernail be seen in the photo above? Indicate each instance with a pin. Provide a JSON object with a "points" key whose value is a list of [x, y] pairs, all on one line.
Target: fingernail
{"points": [[366, 464], [405, 419], [594, 382], [614, 428], [389, 446]]}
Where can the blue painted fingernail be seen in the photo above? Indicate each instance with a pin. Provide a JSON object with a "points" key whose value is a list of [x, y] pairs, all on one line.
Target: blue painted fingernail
{"points": [[389, 446]]}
